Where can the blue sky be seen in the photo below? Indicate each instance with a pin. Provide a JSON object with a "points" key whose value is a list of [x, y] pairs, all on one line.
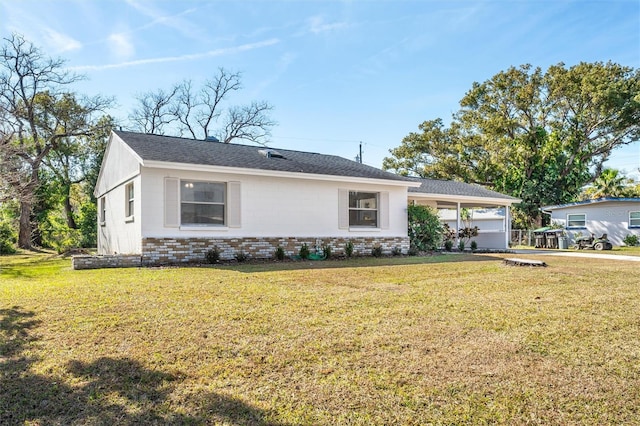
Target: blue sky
{"points": [[337, 72]]}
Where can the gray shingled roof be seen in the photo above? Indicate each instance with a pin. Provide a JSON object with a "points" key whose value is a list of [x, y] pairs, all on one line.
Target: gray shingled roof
{"points": [[450, 187], [189, 151]]}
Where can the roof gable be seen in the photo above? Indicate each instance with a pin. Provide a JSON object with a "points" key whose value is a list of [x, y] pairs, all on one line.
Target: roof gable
{"points": [[156, 148], [119, 163]]}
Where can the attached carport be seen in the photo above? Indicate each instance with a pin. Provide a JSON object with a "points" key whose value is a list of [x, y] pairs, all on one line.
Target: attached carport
{"points": [[445, 194]]}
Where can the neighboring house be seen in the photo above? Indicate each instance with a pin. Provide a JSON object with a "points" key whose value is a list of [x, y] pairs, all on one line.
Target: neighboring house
{"points": [[171, 199], [490, 209], [616, 217]]}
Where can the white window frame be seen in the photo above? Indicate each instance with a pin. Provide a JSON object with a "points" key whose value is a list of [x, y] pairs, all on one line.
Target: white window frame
{"points": [[129, 199], [636, 219], [364, 209], [224, 204], [584, 220]]}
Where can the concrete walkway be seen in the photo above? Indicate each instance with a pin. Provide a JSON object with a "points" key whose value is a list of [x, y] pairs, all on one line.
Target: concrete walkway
{"points": [[581, 253]]}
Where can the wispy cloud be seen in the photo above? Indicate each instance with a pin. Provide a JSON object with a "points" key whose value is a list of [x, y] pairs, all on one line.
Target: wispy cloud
{"points": [[175, 22], [59, 42], [180, 58], [282, 66], [316, 25], [121, 46]]}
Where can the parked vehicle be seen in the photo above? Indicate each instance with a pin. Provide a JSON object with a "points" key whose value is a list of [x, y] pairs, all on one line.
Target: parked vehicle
{"points": [[593, 243]]}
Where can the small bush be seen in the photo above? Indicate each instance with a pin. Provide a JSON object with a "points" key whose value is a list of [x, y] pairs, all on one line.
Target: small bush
{"points": [[376, 251], [413, 251], [461, 245], [280, 255], [241, 256], [7, 238], [304, 251], [348, 249], [212, 255], [448, 245], [631, 240], [474, 246], [396, 251], [326, 251]]}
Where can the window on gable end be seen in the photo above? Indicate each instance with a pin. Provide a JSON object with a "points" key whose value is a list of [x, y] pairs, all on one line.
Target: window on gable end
{"points": [[103, 211], [129, 200]]}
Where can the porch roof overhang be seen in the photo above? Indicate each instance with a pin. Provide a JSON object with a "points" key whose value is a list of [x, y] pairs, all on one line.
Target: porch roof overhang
{"points": [[444, 201], [451, 194]]}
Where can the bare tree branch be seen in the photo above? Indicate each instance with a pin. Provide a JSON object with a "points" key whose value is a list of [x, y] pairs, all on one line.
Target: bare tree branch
{"points": [[249, 122], [188, 111]]}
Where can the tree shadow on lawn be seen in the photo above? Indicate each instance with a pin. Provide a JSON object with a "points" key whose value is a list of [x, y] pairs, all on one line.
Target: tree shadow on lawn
{"points": [[109, 391], [353, 262]]}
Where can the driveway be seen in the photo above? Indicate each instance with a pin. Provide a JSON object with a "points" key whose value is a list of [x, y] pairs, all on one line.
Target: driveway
{"points": [[583, 253]]}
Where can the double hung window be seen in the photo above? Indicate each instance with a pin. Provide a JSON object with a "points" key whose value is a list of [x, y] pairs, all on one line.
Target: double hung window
{"points": [[202, 203], [363, 209], [128, 191]]}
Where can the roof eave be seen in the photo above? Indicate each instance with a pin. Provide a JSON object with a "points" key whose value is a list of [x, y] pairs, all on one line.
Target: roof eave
{"points": [[274, 173], [588, 202]]}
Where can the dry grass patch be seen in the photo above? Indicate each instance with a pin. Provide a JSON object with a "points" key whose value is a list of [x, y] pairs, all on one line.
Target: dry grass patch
{"points": [[442, 340]]}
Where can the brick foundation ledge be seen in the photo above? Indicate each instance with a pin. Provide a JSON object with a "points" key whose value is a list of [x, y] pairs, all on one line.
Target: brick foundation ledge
{"points": [[106, 261]]}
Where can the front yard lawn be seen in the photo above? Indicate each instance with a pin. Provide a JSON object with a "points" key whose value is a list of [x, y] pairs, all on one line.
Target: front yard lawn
{"points": [[448, 339]]}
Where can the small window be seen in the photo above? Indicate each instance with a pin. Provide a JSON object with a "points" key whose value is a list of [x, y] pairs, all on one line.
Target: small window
{"points": [[128, 190], [363, 209], [103, 210], [202, 203], [576, 220], [634, 219]]}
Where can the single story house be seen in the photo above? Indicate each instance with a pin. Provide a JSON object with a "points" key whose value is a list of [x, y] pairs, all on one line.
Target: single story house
{"points": [[490, 210], [616, 217], [168, 200], [171, 199]]}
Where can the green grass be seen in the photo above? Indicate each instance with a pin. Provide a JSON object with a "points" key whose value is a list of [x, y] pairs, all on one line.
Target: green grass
{"points": [[451, 339], [628, 250]]}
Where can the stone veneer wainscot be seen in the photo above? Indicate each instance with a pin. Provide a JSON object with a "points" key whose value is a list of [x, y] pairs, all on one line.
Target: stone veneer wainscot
{"points": [[158, 251], [167, 251]]}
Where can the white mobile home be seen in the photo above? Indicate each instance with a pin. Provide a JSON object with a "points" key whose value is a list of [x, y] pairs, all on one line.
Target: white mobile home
{"points": [[616, 217]]}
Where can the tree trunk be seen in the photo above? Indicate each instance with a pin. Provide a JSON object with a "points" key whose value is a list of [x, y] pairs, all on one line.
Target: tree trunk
{"points": [[24, 234], [68, 211]]}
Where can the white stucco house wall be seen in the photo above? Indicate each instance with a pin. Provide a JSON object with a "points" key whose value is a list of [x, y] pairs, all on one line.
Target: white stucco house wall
{"points": [[616, 217], [171, 199]]}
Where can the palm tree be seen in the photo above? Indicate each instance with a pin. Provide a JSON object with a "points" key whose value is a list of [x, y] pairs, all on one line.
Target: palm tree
{"points": [[610, 183]]}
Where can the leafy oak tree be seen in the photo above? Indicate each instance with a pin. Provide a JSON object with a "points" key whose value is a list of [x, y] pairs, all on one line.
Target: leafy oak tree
{"points": [[39, 114], [539, 136], [200, 112]]}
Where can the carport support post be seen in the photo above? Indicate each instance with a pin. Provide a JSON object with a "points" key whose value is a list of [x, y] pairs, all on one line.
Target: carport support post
{"points": [[458, 224], [507, 227]]}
